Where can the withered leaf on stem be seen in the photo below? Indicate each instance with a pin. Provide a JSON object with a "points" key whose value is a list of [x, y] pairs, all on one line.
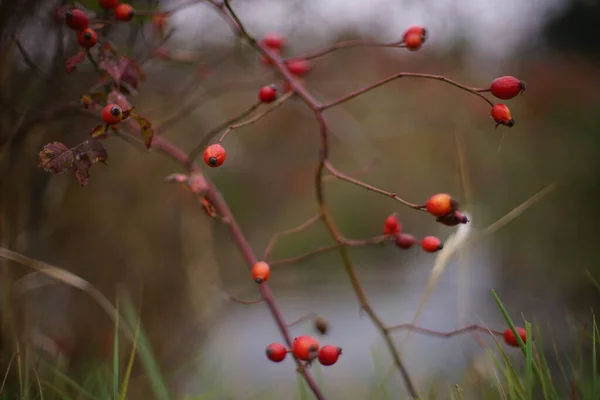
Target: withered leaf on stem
{"points": [[208, 207], [99, 132], [74, 61], [58, 158], [111, 69], [146, 129]]}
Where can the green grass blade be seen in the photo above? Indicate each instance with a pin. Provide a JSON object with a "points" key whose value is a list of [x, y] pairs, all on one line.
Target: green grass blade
{"points": [[65, 379], [127, 376], [594, 363], [529, 378], [146, 356], [116, 354]]}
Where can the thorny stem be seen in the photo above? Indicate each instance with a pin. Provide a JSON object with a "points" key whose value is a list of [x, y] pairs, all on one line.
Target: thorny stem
{"points": [[343, 99], [257, 117], [356, 182]]}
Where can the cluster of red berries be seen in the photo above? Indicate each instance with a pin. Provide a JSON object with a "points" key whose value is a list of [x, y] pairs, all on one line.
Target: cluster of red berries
{"points": [[393, 227], [79, 21], [441, 205], [505, 88], [305, 348], [296, 66]]}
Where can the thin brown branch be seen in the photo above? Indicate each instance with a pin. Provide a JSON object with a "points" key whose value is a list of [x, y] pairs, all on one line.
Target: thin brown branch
{"points": [[363, 171], [257, 117], [305, 225], [349, 43], [325, 249], [343, 99], [356, 182], [431, 332]]}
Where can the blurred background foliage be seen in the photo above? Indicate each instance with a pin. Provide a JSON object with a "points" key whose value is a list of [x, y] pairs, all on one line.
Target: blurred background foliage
{"points": [[128, 229]]}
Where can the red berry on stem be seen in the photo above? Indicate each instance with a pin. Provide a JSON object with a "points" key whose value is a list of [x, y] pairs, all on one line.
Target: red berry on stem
{"points": [[124, 12], [76, 19], [274, 41], [392, 226], [112, 114], [328, 355], [214, 155], [298, 66], [108, 4], [261, 272], [441, 204], [431, 244], [405, 241], [501, 115], [507, 87], [510, 338], [276, 352], [305, 347], [267, 94], [87, 38], [414, 37]]}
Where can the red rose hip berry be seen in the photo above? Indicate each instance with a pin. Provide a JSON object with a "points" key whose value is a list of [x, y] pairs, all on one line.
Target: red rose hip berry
{"points": [[76, 19], [392, 226], [214, 155], [298, 66], [405, 241], [261, 272], [305, 347], [87, 38], [431, 244], [267, 94], [274, 41], [328, 355], [112, 114], [276, 352], [510, 338], [414, 37], [124, 12], [507, 87], [108, 4], [441, 204], [502, 116]]}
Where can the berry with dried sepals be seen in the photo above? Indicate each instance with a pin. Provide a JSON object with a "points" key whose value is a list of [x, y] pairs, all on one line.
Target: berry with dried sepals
{"points": [[276, 352], [502, 116], [305, 347], [214, 155], [76, 19], [328, 355], [431, 244], [112, 114], [441, 204], [507, 87], [87, 38], [261, 272], [414, 37]]}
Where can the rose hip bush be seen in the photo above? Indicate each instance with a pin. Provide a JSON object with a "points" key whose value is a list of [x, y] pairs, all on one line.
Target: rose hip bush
{"points": [[112, 99]]}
